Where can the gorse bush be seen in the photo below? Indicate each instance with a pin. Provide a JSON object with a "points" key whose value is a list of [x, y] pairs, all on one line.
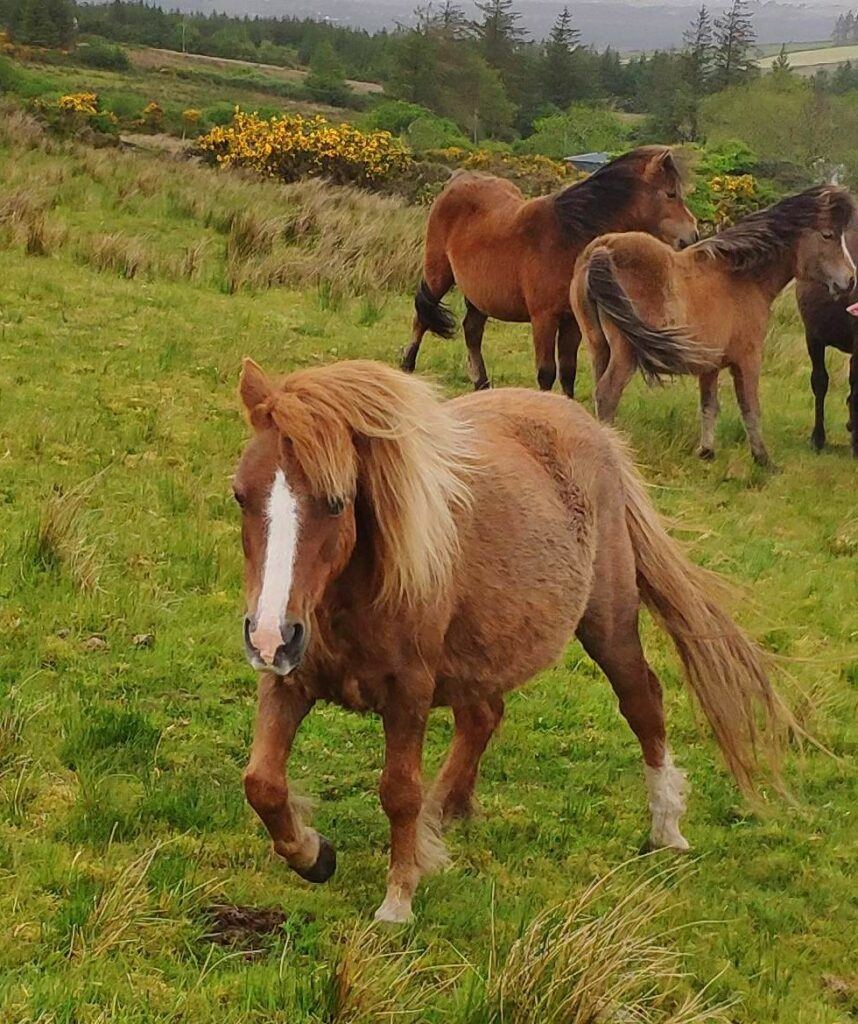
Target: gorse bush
{"points": [[294, 147]]}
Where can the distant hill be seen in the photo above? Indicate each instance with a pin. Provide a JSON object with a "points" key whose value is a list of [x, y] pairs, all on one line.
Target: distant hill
{"points": [[623, 24]]}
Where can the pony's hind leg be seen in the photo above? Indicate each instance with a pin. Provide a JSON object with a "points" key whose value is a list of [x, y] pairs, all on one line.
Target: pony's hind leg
{"points": [[568, 343], [429, 313], [819, 384], [613, 381], [708, 413], [474, 325], [853, 395], [609, 634], [452, 793]]}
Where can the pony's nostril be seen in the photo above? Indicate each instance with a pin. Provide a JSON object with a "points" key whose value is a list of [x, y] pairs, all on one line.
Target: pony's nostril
{"points": [[292, 633]]}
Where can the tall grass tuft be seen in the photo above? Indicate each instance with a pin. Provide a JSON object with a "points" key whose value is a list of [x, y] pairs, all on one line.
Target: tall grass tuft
{"points": [[578, 963], [373, 982], [57, 541], [119, 254]]}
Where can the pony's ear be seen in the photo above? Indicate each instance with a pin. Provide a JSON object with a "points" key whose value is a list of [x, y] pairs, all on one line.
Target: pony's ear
{"points": [[662, 165], [254, 388]]}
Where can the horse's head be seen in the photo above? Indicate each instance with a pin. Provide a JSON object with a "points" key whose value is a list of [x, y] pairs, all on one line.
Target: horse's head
{"points": [[298, 526], [662, 203], [822, 254], [343, 453]]}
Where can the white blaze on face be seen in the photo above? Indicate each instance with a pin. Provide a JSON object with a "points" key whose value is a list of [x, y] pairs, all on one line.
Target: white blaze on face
{"points": [[281, 514]]}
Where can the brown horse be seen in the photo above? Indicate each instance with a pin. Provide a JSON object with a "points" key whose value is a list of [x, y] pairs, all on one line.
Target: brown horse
{"points": [[403, 553], [826, 322], [513, 258], [643, 306]]}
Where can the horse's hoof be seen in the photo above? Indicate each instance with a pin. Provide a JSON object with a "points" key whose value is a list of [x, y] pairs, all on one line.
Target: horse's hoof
{"points": [[817, 443], [707, 454], [394, 911], [325, 866], [483, 385]]}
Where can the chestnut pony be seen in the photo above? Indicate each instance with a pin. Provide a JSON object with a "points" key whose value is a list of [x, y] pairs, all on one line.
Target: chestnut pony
{"points": [[403, 553], [513, 258], [643, 306]]}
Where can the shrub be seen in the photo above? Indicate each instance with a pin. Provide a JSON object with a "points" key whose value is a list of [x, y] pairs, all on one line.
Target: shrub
{"points": [[431, 132], [580, 129], [85, 103], [394, 116], [153, 116], [100, 54], [293, 147]]}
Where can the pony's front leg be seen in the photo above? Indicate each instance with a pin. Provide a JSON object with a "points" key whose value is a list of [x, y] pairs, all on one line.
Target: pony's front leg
{"points": [[415, 845], [708, 413], [568, 343], [452, 793], [282, 705], [545, 329], [853, 395], [746, 380]]}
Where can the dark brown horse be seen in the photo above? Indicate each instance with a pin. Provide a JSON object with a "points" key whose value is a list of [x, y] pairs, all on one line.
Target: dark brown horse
{"points": [[643, 306], [827, 323], [403, 553], [513, 258]]}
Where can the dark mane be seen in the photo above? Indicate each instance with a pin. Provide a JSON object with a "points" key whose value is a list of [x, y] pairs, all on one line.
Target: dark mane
{"points": [[589, 208], [758, 239]]}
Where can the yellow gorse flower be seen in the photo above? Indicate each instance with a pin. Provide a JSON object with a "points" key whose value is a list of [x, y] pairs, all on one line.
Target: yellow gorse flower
{"points": [[291, 147], [78, 103]]}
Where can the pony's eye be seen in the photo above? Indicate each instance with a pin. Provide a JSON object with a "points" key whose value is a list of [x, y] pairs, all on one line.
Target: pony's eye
{"points": [[828, 235], [336, 506], [239, 497], [672, 194]]}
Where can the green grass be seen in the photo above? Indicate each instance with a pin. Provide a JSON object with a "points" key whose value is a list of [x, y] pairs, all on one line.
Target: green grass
{"points": [[121, 811]]}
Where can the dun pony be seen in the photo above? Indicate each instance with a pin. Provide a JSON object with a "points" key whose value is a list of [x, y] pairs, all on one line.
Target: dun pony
{"points": [[643, 306], [403, 553]]}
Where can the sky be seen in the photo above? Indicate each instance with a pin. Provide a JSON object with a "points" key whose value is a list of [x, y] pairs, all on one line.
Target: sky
{"points": [[623, 24]]}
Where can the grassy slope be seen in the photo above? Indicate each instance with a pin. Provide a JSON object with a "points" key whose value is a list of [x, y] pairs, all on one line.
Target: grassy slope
{"points": [[109, 748], [813, 58]]}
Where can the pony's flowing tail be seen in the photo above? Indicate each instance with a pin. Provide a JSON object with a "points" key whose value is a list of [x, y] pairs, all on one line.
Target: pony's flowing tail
{"points": [[432, 313], [659, 351], [725, 669]]}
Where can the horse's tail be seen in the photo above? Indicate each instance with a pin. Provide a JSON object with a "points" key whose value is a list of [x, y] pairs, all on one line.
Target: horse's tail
{"points": [[658, 351], [725, 669], [432, 313]]}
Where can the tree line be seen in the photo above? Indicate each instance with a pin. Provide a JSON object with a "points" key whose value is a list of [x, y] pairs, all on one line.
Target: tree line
{"points": [[484, 74], [845, 29]]}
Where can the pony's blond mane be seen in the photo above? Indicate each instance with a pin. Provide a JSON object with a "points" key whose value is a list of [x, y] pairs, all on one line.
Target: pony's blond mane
{"points": [[360, 428]]}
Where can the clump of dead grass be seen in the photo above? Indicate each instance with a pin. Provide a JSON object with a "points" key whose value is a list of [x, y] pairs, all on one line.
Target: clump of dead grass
{"points": [[58, 543], [118, 253]]}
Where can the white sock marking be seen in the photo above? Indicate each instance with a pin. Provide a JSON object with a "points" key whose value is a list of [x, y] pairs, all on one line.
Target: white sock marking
{"points": [[281, 547], [667, 787]]}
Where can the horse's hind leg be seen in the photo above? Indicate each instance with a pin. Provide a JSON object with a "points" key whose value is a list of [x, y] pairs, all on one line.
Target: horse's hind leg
{"points": [[619, 371], [609, 633], [568, 343], [438, 278], [474, 325], [708, 414], [819, 383], [452, 792]]}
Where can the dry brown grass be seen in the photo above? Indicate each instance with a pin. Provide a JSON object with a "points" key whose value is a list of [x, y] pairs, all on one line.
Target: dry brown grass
{"points": [[583, 962], [58, 541], [117, 253]]}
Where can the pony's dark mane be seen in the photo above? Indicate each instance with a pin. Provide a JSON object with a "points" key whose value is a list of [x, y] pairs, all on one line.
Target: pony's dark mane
{"points": [[758, 239], [590, 207]]}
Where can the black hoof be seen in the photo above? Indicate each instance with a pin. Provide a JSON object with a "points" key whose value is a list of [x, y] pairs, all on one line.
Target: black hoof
{"points": [[707, 454], [817, 443], [325, 866], [483, 385]]}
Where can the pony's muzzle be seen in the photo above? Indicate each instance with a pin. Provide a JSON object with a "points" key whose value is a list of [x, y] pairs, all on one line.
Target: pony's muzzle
{"points": [[840, 289], [264, 652]]}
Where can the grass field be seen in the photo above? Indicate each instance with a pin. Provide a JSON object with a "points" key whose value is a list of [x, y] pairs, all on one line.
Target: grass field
{"points": [[129, 290], [813, 58]]}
